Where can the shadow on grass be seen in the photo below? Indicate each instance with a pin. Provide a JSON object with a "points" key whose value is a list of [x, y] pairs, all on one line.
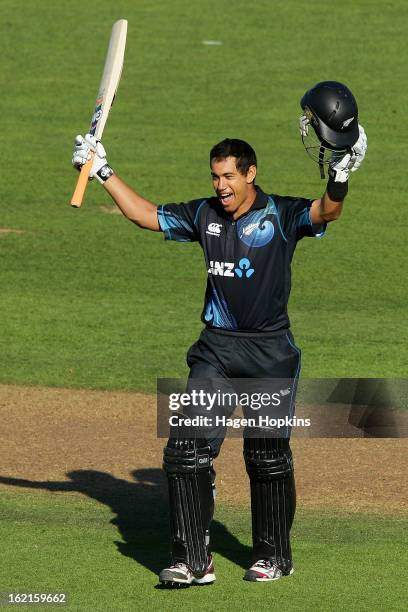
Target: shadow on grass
{"points": [[141, 514]]}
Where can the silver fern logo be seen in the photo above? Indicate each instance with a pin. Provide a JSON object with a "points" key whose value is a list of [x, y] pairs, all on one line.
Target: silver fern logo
{"points": [[347, 122]]}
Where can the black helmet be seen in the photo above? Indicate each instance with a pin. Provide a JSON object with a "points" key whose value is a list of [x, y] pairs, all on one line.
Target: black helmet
{"points": [[332, 112]]}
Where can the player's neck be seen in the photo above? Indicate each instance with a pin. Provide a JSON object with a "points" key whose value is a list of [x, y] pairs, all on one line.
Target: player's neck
{"points": [[246, 204]]}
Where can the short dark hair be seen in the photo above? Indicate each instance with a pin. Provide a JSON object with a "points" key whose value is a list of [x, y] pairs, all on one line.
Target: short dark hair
{"points": [[233, 147]]}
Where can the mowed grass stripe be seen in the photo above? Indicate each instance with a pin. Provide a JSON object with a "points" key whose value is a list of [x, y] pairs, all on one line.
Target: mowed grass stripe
{"points": [[88, 300], [78, 545]]}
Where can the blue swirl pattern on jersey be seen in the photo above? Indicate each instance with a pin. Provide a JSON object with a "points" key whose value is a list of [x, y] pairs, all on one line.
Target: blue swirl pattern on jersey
{"points": [[217, 313], [257, 229]]}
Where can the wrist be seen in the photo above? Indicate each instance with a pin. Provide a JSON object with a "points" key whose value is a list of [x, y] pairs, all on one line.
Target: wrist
{"points": [[104, 173], [335, 190]]}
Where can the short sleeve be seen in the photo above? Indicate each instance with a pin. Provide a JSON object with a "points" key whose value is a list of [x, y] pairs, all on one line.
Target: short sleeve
{"points": [[295, 218], [179, 221]]}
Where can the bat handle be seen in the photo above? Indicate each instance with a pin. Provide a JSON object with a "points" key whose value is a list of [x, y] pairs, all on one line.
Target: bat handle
{"points": [[82, 182]]}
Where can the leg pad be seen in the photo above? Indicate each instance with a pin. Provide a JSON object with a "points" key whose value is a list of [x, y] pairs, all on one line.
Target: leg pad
{"points": [[189, 471], [269, 466]]}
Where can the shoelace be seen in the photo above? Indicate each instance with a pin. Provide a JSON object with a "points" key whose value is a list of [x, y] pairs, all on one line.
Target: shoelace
{"points": [[181, 566], [265, 563], [184, 567]]}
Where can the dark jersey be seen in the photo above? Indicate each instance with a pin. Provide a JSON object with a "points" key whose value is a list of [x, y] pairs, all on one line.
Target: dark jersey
{"points": [[248, 260]]}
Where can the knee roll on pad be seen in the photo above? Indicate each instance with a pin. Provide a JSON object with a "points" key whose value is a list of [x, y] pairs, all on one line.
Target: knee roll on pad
{"points": [[186, 457], [189, 471], [267, 458]]}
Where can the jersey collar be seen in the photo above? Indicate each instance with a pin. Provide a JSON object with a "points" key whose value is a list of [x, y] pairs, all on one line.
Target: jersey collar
{"points": [[261, 200]]}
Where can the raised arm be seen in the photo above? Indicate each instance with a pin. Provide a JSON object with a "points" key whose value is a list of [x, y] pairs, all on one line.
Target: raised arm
{"points": [[325, 209], [329, 206], [134, 207]]}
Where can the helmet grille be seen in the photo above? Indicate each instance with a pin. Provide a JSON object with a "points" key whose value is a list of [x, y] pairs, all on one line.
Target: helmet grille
{"points": [[320, 151]]}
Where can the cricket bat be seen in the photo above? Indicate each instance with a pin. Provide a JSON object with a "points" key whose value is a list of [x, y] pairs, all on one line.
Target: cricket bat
{"points": [[104, 100]]}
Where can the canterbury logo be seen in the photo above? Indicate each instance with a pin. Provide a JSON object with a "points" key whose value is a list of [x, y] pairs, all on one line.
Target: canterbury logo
{"points": [[214, 229]]}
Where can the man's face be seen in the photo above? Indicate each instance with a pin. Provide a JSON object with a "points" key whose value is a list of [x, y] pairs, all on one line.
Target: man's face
{"points": [[235, 191]]}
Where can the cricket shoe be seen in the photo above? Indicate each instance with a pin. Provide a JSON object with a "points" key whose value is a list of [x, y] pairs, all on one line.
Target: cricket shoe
{"points": [[180, 575], [265, 570]]}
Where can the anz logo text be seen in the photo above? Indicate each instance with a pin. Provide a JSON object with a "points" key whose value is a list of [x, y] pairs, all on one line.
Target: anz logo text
{"points": [[225, 268]]}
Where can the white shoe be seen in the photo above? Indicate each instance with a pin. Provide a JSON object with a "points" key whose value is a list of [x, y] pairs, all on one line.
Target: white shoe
{"points": [[265, 570], [180, 574]]}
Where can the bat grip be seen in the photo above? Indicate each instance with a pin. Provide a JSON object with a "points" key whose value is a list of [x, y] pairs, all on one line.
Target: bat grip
{"points": [[82, 182]]}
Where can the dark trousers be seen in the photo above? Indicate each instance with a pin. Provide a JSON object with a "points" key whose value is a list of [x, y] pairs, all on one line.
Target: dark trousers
{"points": [[219, 356]]}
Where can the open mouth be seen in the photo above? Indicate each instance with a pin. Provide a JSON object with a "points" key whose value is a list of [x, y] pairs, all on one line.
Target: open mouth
{"points": [[226, 198]]}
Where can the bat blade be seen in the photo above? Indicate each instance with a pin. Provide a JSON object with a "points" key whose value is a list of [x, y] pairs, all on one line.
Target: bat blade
{"points": [[107, 89]]}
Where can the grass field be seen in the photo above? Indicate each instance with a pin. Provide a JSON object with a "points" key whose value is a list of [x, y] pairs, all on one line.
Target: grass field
{"points": [[90, 301], [69, 544]]}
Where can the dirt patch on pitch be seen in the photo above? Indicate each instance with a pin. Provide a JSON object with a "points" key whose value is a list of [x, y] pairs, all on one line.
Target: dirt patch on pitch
{"points": [[110, 210], [49, 436], [8, 230]]}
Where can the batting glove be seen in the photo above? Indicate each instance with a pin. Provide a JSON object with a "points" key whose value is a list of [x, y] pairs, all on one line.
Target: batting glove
{"points": [[82, 153], [341, 165], [304, 126]]}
